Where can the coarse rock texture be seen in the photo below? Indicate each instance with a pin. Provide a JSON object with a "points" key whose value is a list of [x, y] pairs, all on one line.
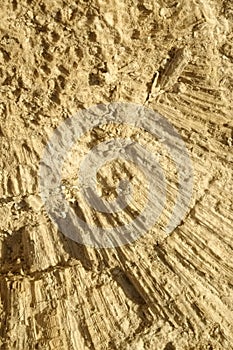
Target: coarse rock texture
{"points": [[160, 292]]}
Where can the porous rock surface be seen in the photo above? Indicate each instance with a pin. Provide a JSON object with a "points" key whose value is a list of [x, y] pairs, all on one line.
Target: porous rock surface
{"points": [[161, 292]]}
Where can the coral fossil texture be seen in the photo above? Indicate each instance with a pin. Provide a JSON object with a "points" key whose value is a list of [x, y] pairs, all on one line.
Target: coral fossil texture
{"points": [[161, 292]]}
